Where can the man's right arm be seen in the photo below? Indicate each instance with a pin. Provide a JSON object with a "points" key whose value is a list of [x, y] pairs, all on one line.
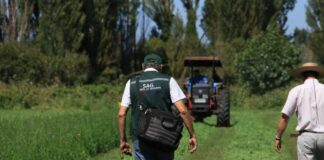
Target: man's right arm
{"points": [[288, 109], [121, 123], [123, 108], [282, 125], [184, 113], [124, 146]]}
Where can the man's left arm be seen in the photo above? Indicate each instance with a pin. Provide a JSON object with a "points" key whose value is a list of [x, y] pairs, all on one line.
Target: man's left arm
{"points": [[176, 97], [184, 113]]}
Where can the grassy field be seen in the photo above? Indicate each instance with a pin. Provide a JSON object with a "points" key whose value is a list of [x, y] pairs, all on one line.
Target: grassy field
{"points": [[251, 137], [58, 122], [56, 135]]}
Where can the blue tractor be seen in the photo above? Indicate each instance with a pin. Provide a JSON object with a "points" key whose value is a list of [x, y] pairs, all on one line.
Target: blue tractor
{"points": [[210, 97]]}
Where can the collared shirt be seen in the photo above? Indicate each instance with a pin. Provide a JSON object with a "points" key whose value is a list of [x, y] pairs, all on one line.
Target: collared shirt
{"points": [[176, 93], [307, 101]]}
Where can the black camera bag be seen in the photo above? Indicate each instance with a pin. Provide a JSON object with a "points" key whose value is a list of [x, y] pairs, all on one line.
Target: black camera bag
{"points": [[159, 128]]}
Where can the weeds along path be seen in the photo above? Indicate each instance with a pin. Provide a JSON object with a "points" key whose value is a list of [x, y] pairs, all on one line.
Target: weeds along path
{"points": [[250, 137]]}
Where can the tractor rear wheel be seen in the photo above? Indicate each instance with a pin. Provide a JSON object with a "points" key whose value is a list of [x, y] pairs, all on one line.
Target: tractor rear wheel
{"points": [[223, 117]]}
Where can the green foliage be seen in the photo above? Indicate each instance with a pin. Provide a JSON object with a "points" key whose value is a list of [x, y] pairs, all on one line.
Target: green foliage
{"points": [[227, 52], [18, 63], [191, 44], [81, 27], [21, 62], [230, 19], [86, 97], [314, 18], [101, 35], [60, 29], [162, 13], [300, 37], [69, 69], [127, 24], [242, 98], [266, 62], [171, 54], [57, 135]]}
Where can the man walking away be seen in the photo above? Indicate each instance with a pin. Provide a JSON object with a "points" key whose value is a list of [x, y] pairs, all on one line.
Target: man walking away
{"points": [[157, 90], [307, 101]]}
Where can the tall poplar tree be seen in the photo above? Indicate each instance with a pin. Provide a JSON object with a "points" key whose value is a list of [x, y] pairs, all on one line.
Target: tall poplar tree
{"points": [[168, 39], [229, 23], [161, 12], [87, 26], [191, 42], [226, 20], [100, 31], [60, 26], [127, 21], [315, 20]]}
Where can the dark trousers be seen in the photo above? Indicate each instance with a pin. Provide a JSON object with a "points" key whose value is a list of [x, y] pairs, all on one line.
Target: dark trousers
{"points": [[143, 151]]}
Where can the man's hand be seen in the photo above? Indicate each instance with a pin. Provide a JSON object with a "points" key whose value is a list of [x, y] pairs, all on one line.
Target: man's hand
{"points": [[193, 144], [282, 125], [277, 145], [125, 148], [184, 113]]}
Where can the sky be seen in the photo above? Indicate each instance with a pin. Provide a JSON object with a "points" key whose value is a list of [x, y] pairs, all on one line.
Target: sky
{"points": [[296, 19]]}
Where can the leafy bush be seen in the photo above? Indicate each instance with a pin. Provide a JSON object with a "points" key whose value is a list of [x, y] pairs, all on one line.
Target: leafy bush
{"points": [[17, 63], [22, 62], [242, 98], [266, 62], [68, 69], [87, 97]]}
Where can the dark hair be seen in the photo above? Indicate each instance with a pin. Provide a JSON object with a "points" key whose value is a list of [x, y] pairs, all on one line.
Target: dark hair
{"points": [[310, 74]]}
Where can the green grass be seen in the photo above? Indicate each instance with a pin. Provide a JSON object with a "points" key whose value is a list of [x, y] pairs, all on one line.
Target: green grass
{"points": [[250, 138], [57, 135], [80, 123], [57, 122]]}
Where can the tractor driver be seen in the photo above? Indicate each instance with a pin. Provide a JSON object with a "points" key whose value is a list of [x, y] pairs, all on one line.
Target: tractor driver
{"points": [[198, 78]]}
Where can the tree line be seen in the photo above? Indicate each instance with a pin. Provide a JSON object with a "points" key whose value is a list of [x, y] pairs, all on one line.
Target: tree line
{"points": [[85, 41]]}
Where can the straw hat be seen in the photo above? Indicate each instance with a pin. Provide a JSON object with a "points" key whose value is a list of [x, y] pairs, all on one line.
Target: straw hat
{"points": [[309, 66]]}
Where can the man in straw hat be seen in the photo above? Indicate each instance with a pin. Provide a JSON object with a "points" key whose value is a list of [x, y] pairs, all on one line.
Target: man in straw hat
{"points": [[307, 101]]}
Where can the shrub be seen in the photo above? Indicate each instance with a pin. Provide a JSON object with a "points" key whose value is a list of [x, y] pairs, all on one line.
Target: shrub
{"points": [[242, 98], [19, 63], [87, 97], [266, 62], [22, 62], [68, 69]]}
